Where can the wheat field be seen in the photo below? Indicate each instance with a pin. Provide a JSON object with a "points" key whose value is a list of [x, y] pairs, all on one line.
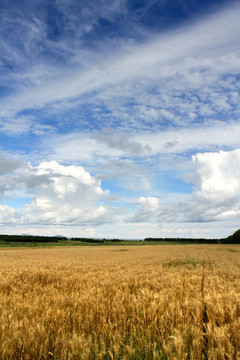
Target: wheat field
{"points": [[120, 302]]}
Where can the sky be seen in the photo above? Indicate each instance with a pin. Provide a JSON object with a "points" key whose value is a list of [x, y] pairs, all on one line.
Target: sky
{"points": [[120, 118]]}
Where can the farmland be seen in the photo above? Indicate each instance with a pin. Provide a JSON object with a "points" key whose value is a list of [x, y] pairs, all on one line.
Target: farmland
{"points": [[120, 302]]}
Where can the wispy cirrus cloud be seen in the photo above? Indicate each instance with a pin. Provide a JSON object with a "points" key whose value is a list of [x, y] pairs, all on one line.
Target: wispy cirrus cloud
{"points": [[198, 58], [96, 148]]}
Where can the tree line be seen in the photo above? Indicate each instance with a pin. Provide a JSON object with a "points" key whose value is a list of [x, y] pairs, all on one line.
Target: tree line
{"points": [[51, 239], [232, 239]]}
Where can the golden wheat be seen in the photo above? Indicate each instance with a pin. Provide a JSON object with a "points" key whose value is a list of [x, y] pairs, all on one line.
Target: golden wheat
{"points": [[147, 302]]}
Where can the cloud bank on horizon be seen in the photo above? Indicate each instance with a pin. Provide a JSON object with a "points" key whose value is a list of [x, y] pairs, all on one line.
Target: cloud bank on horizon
{"points": [[120, 118]]}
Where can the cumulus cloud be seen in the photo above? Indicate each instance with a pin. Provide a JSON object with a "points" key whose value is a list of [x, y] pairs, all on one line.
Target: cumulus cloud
{"points": [[9, 172], [7, 214], [72, 183], [218, 174], [8, 165], [217, 190], [148, 209], [62, 195], [6, 184], [164, 98], [216, 194], [218, 184], [42, 211]]}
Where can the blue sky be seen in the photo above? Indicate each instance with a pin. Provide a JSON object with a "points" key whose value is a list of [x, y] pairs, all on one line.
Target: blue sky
{"points": [[120, 118]]}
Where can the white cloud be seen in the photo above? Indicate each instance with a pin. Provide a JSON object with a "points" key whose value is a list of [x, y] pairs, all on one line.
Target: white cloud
{"points": [[6, 184], [6, 214], [94, 148], [148, 209], [216, 196], [9, 165], [161, 100], [72, 183], [10, 170], [97, 148], [218, 174], [69, 196], [202, 137], [62, 195], [217, 190], [149, 203], [42, 211], [175, 64], [120, 141], [15, 125]]}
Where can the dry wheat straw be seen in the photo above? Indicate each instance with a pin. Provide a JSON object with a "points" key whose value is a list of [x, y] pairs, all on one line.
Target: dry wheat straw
{"points": [[99, 303]]}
